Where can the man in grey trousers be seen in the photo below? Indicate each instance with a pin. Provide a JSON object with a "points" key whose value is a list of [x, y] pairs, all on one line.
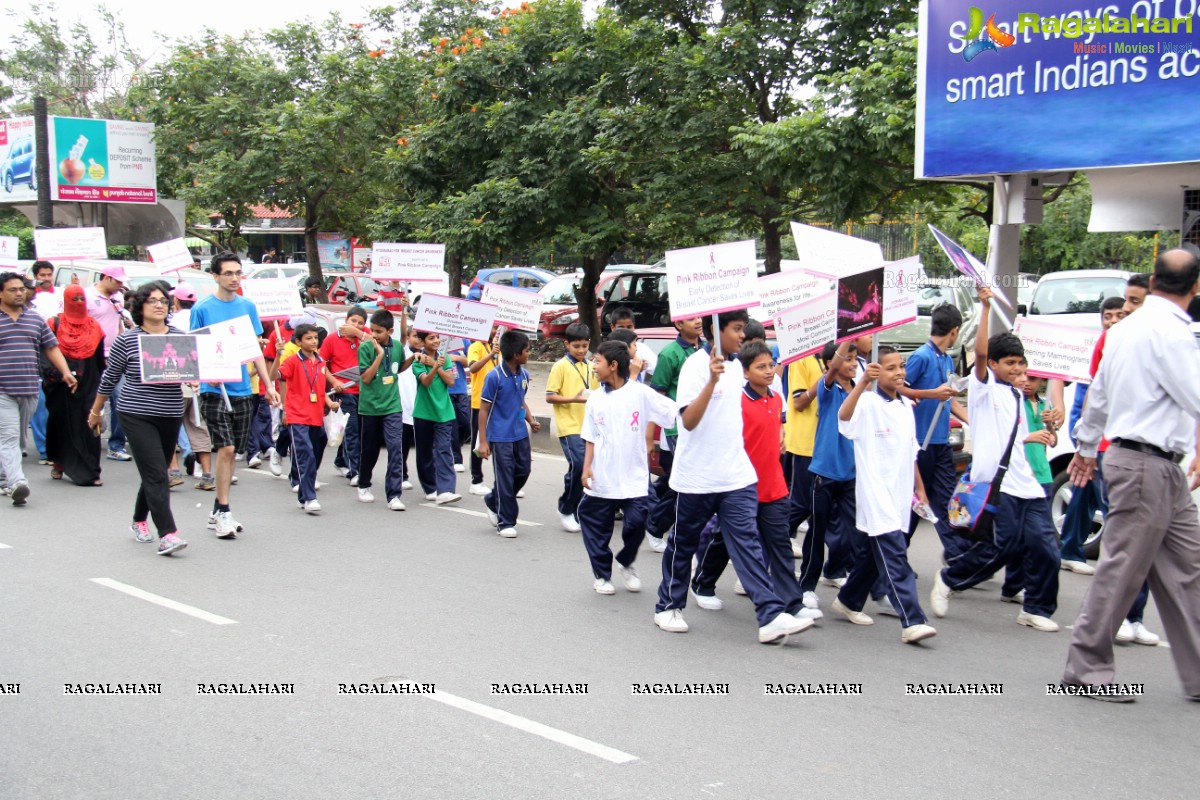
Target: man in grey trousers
{"points": [[1146, 400]]}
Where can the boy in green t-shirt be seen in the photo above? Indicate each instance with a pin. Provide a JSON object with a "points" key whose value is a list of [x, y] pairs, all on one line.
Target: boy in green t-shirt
{"points": [[433, 420], [380, 413], [567, 389]]}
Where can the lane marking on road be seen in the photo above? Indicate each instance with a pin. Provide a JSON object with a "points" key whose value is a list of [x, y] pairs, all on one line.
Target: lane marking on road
{"points": [[5, 546], [529, 726], [549, 457], [457, 510], [165, 602]]}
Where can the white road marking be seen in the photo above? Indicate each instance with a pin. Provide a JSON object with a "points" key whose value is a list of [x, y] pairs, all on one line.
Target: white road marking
{"points": [[549, 457], [174, 605], [529, 726], [458, 510], [5, 546]]}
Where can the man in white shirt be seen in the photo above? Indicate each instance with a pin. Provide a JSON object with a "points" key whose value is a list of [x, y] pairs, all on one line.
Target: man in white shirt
{"points": [[1146, 400], [106, 305], [1022, 518]]}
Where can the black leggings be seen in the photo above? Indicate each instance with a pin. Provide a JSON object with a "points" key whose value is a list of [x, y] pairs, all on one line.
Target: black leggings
{"points": [[151, 442]]}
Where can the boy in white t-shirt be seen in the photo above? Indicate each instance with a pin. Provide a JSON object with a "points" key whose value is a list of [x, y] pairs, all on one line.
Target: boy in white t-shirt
{"points": [[713, 475], [407, 386], [1022, 515], [616, 470], [884, 432]]}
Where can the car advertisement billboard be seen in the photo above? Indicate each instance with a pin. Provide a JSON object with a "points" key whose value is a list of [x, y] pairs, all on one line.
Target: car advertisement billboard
{"points": [[1053, 85], [18, 162]]}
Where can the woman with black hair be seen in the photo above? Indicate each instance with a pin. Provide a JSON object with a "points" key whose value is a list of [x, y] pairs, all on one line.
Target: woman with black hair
{"points": [[150, 413]]}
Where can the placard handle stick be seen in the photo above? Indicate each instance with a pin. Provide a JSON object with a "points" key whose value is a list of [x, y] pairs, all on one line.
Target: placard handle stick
{"points": [[929, 434], [225, 397], [195, 400], [716, 326], [874, 356]]}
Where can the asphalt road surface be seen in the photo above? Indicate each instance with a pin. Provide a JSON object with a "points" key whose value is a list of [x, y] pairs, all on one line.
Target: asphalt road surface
{"points": [[362, 595]]}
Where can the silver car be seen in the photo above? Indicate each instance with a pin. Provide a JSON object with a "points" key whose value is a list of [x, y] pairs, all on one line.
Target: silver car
{"points": [[933, 293]]}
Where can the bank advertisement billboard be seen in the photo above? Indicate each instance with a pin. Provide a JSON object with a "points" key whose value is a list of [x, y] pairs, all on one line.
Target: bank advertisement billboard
{"points": [[102, 161], [1052, 85]]}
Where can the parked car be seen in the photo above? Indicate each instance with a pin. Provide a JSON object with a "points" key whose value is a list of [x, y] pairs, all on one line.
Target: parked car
{"points": [[559, 308], [1026, 283], [276, 271], [531, 279], [644, 293], [1074, 297], [20, 164], [933, 293], [137, 273]]}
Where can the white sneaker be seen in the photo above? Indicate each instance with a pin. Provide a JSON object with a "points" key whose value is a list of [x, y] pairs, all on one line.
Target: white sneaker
{"points": [[432, 496], [1018, 598], [1037, 622], [459, 468], [406, 485], [312, 507], [797, 547], [1143, 635], [671, 621], [255, 461], [447, 497], [365, 495], [738, 589], [811, 600], [915, 633], [343, 471], [480, 489], [630, 578], [809, 613], [656, 544], [1125, 632], [884, 606], [295, 488], [276, 463], [709, 602], [493, 517], [857, 617], [239, 456], [939, 598], [233, 480], [1078, 567], [569, 524], [354, 481], [603, 587], [836, 583], [507, 533], [521, 493], [226, 526], [395, 504], [781, 627]]}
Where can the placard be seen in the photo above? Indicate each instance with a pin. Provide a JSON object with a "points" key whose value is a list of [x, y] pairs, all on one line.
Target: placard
{"points": [[783, 290], [901, 288], [450, 316], [966, 263], [169, 358], [711, 279], [806, 328], [69, 244], [514, 308], [237, 338], [171, 255], [1057, 351], [8, 251], [275, 298], [403, 261], [217, 363], [832, 253]]}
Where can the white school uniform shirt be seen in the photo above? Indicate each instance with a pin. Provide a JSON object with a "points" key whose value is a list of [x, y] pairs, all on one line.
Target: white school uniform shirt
{"points": [[48, 304], [711, 457], [884, 433], [182, 319], [615, 423], [408, 389], [993, 407]]}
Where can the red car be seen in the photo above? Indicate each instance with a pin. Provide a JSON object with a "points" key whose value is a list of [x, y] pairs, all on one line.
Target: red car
{"points": [[559, 308]]}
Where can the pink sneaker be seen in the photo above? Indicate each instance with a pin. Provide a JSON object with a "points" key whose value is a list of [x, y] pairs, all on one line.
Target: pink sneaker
{"points": [[169, 544], [141, 532]]}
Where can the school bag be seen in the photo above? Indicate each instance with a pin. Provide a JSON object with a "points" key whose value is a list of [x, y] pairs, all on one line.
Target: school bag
{"points": [[972, 507]]}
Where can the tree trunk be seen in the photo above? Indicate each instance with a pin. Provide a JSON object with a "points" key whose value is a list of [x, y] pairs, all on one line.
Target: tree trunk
{"points": [[454, 264], [773, 242], [585, 294], [310, 248]]}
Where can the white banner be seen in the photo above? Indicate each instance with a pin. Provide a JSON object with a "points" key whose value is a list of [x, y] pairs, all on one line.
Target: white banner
{"points": [[515, 308], [832, 253], [218, 363], [235, 338], [8, 251], [901, 287], [402, 261], [275, 298], [806, 328], [711, 279], [450, 316], [171, 255], [784, 290], [69, 244], [1057, 351]]}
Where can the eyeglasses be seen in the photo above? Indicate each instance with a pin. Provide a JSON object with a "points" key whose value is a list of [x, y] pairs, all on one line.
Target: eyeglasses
{"points": [[157, 301], [237, 274]]}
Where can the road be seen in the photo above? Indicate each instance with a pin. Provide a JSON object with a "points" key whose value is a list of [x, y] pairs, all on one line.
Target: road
{"points": [[433, 596]]}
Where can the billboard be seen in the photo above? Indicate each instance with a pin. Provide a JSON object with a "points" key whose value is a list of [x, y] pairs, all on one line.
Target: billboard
{"points": [[102, 161], [17, 161], [1053, 85]]}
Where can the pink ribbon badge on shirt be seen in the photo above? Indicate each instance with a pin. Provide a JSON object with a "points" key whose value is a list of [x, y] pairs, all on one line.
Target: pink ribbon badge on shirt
{"points": [[634, 423]]}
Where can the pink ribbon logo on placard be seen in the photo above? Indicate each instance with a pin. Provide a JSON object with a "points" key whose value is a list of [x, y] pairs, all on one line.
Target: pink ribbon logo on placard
{"points": [[633, 425], [220, 352]]}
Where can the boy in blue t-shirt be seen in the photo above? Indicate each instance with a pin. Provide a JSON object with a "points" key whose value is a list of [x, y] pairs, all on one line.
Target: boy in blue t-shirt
{"points": [[832, 470], [503, 413]]}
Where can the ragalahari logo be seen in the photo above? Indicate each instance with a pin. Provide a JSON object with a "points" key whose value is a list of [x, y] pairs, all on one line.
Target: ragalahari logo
{"points": [[982, 36]]}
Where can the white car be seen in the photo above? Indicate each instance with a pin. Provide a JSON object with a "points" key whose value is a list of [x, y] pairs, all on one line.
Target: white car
{"points": [[1074, 297]]}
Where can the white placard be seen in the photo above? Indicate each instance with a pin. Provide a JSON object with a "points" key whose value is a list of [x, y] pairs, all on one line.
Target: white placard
{"points": [[784, 290], [514, 308], [832, 253], [8, 251], [237, 338], [1057, 351], [171, 255], [901, 285], [275, 298], [216, 364], [403, 261], [806, 328], [711, 279], [69, 244], [450, 316]]}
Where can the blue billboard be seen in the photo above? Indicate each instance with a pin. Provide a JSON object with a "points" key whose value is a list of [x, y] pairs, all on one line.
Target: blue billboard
{"points": [[1052, 85]]}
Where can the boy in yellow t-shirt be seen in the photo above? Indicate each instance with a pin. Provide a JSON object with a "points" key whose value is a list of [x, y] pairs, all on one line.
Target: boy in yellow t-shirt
{"points": [[800, 433], [482, 358], [571, 381]]}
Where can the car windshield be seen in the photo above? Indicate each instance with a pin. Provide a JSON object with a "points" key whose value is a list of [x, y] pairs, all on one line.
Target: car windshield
{"points": [[560, 291], [1075, 296], [930, 297]]}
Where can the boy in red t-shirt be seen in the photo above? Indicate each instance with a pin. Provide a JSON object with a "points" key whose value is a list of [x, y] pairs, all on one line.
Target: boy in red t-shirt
{"points": [[340, 351], [304, 405]]}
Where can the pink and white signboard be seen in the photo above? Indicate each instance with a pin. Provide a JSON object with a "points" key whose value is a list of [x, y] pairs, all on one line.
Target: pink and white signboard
{"points": [[712, 279]]}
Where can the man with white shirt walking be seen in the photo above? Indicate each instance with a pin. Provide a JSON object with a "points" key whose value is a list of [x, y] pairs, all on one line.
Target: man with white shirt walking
{"points": [[1146, 400]]}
